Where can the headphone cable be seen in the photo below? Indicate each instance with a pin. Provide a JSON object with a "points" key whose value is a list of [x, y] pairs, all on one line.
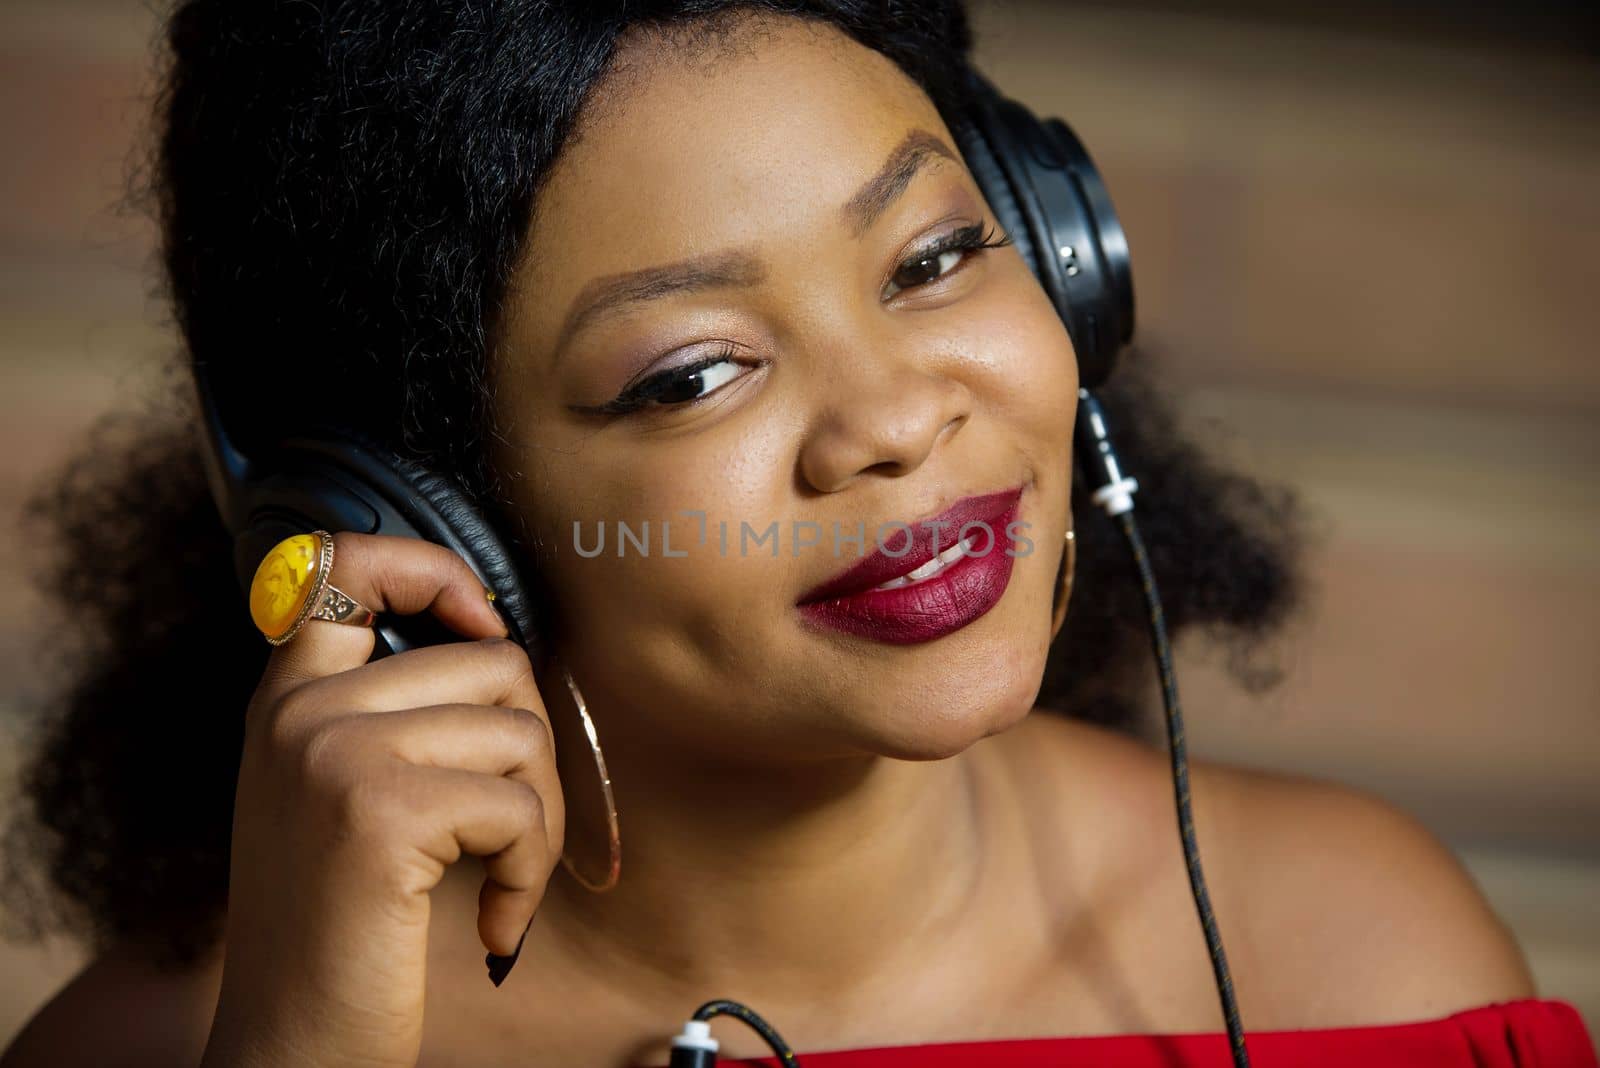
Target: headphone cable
{"points": [[1114, 493]]}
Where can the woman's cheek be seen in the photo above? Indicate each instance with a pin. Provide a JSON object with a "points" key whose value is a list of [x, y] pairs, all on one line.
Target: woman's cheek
{"points": [[1023, 356]]}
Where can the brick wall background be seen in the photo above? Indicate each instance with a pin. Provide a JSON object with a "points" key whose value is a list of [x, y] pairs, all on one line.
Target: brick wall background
{"points": [[1363, 249]]}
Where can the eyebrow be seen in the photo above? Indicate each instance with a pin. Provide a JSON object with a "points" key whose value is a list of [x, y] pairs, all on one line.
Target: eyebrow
{"points": [[883, 188], [741, 267], [608, 294]]}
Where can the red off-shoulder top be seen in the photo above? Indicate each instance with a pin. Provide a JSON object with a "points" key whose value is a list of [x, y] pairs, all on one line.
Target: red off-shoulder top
{"points": [[1530, 1033]]}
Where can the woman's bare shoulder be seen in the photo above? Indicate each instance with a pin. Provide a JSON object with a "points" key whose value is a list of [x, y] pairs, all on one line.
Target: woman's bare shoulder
{"points": [[1337, 908], [1386, 923], [122, 1009]]}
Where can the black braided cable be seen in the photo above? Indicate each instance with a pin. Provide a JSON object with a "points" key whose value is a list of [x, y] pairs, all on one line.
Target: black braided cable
{"points": [[1180, 783], [724, 1007]]}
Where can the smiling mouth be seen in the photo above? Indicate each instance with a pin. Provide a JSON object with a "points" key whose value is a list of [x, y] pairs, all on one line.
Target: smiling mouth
{"points": [[928, 570], [927, 555], [928, 590]]}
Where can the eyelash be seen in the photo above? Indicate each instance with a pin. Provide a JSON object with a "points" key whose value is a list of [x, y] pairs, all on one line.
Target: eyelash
{"points": [[974, 238]]}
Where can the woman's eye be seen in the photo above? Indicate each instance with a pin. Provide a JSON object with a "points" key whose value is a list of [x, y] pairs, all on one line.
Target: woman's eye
{"points": [[681, 385], [694, 382], [943, 258], [925, 269]]}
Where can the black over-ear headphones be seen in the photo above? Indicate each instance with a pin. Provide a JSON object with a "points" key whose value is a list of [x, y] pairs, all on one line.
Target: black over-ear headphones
{"points": [[1037, 178]]}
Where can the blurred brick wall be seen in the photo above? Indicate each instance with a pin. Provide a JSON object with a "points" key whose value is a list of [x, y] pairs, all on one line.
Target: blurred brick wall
{"points": [[1365, 259], [1368, 265]]}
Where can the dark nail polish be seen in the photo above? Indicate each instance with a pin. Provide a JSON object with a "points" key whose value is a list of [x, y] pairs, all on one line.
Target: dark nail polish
{"points": [[500, 967]]}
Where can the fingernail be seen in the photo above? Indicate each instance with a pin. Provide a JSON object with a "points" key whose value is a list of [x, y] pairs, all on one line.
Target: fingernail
{"points": [[489, 595], [500, 967]]}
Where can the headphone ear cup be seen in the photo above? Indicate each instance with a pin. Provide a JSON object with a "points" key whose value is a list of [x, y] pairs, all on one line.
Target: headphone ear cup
{"points": [[996, 188], [344, 482]]}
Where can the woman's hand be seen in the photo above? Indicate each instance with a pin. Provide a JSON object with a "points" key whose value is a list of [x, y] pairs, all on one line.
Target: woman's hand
{"points": [[359, 784]]}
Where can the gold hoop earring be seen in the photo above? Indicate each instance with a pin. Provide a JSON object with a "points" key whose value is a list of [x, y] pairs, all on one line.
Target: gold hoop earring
{"points": [[1069, 566], [613, 833]]}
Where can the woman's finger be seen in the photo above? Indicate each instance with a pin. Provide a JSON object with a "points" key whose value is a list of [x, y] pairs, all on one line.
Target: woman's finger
{"points": [[511, 742], [502, 821], [386, 574], [491, 672]]}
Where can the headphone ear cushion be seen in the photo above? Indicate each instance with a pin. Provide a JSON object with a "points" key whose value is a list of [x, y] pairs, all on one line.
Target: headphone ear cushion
{"points": [[398, 496], [996, 187], [1047, 193], [477, 542]]}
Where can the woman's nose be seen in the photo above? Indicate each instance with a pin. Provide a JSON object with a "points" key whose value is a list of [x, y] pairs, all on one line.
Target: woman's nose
{"points": [[887, 421]]}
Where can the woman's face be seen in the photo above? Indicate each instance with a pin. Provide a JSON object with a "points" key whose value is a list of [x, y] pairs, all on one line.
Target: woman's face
{"points": [[729, 213]]}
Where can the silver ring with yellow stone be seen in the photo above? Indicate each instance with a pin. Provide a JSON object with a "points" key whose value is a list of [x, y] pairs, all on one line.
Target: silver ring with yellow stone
{"points": [[291, 586]]}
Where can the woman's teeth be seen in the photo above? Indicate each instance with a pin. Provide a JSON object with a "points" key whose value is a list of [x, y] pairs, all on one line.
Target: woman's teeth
{"points": [[932, 567]]}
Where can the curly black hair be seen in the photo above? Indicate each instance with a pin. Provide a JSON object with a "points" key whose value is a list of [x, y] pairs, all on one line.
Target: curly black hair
{"points": [[354, 181]]}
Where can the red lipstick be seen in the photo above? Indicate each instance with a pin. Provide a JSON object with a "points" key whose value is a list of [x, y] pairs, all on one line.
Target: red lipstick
{"points": [[926, 600]]}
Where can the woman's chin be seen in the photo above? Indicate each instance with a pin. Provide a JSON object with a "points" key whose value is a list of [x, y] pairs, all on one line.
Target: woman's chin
{"points": [[946, 729]]}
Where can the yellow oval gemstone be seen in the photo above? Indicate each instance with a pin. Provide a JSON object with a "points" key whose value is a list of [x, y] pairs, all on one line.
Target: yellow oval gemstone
{"points": [[282, 583]]}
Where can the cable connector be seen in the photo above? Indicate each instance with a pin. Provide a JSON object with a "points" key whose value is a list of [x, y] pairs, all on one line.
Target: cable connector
{"points": [[1113, 490], [694, 1047], [1117, 497]]}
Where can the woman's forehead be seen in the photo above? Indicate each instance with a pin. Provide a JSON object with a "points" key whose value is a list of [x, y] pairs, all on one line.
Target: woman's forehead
{"points": [[679, 159]]}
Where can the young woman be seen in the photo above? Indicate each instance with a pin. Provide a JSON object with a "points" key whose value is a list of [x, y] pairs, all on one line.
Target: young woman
{"points": [[610, 264]]}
